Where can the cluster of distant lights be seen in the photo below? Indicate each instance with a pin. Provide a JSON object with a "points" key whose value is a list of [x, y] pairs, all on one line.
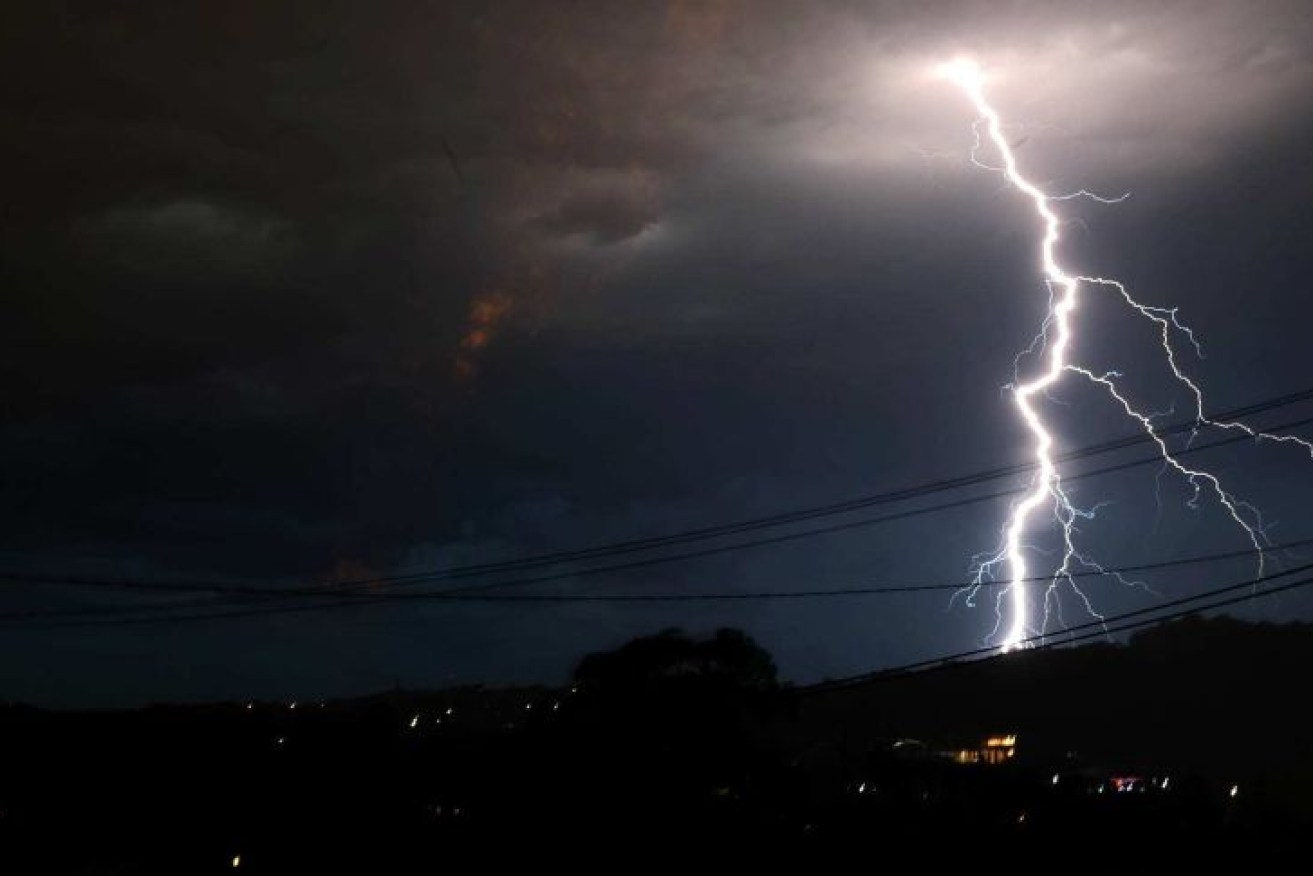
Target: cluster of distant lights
{"points": [[439, 810], [416, 722], [1127, 784], [323, 704], [1131, 784], [1118, 784]]}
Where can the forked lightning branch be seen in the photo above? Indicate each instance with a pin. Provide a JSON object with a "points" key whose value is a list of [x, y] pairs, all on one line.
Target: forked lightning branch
{"points": [[1046, 501]]}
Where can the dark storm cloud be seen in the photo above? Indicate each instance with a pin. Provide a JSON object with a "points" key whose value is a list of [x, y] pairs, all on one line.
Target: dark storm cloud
{"points": [[609, 215], [301, 287]]}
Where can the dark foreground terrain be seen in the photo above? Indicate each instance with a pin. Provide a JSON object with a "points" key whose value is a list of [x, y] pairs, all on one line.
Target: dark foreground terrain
{"points": [[1188, 748]]}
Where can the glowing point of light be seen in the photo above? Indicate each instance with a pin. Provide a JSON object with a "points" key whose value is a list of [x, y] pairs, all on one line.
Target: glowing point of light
{"points": [[237, 861], [1052, 344], [962, 72], [414, 722], [1056, 777], [1235, 789]]}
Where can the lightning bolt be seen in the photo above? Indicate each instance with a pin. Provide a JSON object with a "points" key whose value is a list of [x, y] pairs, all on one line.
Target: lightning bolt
{"points": [[1053, 343]]}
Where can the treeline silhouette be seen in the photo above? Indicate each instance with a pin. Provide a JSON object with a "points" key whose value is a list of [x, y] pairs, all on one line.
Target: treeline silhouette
{"points": [[1186, 745]]}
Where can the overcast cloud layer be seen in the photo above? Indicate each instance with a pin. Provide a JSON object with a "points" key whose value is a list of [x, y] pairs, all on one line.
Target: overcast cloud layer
{"points": [[313, 291]]}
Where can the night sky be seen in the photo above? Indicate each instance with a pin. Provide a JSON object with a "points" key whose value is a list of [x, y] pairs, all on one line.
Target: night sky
{"points": [[296, 293]]}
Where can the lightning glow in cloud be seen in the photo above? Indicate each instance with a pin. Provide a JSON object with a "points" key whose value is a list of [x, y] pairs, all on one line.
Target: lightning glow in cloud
{"points": [[1054, 343]]}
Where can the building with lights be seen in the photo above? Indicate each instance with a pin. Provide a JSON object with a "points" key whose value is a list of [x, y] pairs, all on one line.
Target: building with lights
{"points": [[992, 750]]}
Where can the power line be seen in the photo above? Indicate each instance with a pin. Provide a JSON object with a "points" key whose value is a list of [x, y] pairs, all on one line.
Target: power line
{"points": [[123, 615], [848, 525], [762, 595], [888, 497], [355, 597], [711, 532], [168, 613], [1094, 629], [878, 590]]}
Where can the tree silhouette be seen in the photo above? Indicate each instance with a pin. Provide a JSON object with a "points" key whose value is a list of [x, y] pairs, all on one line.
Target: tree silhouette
{"points": [[675, 716], [730, 659]]}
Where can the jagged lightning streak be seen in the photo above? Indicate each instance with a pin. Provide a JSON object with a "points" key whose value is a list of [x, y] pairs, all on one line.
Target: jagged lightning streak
{"points": [[1054, 340]]}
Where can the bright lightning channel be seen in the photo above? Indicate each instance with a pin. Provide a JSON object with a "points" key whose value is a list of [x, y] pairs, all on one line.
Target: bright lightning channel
{"points": [[1054, 339]]}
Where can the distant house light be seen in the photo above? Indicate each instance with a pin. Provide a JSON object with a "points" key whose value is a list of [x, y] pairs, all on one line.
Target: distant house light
{"points": [[1126, 784], [994, 750]]}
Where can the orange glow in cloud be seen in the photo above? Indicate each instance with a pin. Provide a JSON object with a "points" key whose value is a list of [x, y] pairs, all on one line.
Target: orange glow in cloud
{"points": [[486, 312]]}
